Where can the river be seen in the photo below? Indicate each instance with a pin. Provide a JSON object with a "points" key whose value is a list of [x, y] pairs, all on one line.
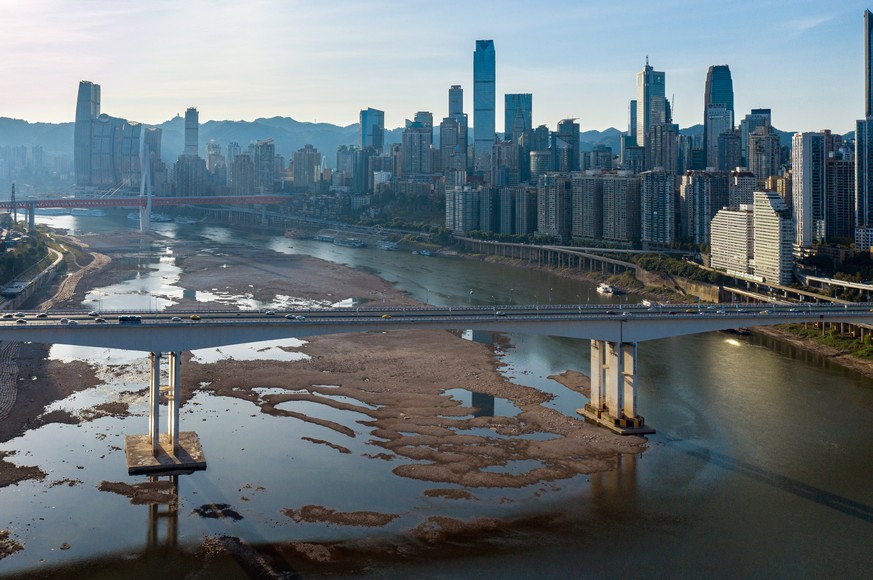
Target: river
{"points": [[762, 463]]}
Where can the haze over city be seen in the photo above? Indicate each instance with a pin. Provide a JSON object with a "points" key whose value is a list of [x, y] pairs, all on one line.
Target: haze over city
{"points": [[325, 62]]}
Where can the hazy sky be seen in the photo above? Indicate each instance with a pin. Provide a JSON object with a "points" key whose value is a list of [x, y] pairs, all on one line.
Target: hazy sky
{"points": [[324, 61]]}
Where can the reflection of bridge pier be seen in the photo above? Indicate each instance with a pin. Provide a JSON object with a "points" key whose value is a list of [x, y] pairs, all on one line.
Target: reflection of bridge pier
{"points": [[170, 514], [164, 452], [613, 390]]}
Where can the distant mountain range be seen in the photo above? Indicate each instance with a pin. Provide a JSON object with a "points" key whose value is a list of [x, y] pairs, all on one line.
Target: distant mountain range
{"points": [[288, 134]]}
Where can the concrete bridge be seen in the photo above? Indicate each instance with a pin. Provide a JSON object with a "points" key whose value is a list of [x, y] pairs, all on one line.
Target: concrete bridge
{"points": [[614, 331]]}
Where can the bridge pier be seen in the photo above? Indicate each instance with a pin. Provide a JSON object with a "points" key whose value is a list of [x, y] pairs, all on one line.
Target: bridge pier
{"points": [[613, 392], [168, 452]]}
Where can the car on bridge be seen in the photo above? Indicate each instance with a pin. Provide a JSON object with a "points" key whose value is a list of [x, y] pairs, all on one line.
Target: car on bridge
{"points": [[386, 316], [127, 319], [194, 317], [21, 321], [176, 319]]}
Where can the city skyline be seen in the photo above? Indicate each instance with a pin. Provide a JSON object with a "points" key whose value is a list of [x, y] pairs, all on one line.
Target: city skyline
{"points": [[264, 59]]}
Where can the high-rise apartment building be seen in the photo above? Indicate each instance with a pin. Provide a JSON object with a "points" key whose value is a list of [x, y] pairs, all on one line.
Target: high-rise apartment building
{"points": [[517, 115], [657, 207], [265, 167], [742, 186], [764, 152], [565, 146], [703, 194], [484, 104], [456, 111], [808, 157], [732, 237], [417, 155], [621, 208], [553, 206], [192, 131], [242, 171], [462, 210], [504, 164], [662, 147], [774, 238], [651, 101], [840, 194], [307, 168], [372, 129], [587, 205]]}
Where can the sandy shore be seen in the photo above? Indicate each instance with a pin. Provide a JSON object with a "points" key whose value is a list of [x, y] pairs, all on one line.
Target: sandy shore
{"points": [[399, 378]]}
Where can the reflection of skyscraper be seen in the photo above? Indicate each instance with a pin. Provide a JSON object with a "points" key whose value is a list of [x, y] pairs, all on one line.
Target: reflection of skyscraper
{"points": [[192, 131], [484, 98]]}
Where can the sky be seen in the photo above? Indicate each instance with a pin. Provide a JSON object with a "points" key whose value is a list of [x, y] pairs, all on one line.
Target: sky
{"points": [[325, 61]]}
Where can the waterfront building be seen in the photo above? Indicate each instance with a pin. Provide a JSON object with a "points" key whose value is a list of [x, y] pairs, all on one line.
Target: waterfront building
{"points": [[233, 149], [488, 209], [773, 238], [462, 210], [506, 210], [587, 205], [808, 156], [703, 193], [107, 151], [484, 104], [719, 92], [553, 206], [189, 175], [621, 208], [373, 129], [863, 149], [840, 195], [525, 209], [265, 165], [732, 240], [192, 131], [657, 207]]}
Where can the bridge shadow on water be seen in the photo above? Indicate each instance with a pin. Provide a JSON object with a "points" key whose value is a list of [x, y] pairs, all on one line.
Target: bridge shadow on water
{"points": [[827, 499]]}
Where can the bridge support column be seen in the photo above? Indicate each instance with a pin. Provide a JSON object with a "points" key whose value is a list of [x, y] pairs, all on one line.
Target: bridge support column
{"points": [[169, 452], [613, 392]]}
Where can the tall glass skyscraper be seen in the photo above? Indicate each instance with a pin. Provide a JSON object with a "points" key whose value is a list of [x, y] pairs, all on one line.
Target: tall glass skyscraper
{"points": [[864, 149], [192, 131], [87, 109], [517, 112], [718, 93], [651, 100], [484, 104], [372, 129]]}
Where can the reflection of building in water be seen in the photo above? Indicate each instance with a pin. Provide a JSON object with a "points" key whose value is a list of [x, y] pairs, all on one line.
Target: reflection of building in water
{"points": [[483, 405], [617, 489], [167, 510]]}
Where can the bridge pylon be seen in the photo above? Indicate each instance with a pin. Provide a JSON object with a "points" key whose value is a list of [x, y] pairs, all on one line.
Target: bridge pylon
{"points": [[174, 450], [613, 392]]}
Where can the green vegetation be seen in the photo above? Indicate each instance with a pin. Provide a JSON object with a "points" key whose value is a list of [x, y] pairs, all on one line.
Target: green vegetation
{"points": [[834, 339], [19, 259], [657, 263]]}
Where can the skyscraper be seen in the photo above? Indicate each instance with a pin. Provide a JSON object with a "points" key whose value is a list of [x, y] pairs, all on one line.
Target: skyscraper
{"points": [[808, 155], [456, 101], [372, 129], [565, 146], [192, 131], [658, 207], [719, 90], [757, 118], [484, 98], [774, 233], [518, 108], [717, 120], [864, 149], [651, 101], [87, 109]]}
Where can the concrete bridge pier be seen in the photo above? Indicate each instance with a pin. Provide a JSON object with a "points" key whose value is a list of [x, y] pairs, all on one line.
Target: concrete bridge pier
{"points": [[613, 392], [168, 452]]}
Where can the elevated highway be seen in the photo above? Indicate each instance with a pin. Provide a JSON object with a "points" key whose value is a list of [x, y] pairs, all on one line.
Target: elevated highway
{"points": [[614, 331]]}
